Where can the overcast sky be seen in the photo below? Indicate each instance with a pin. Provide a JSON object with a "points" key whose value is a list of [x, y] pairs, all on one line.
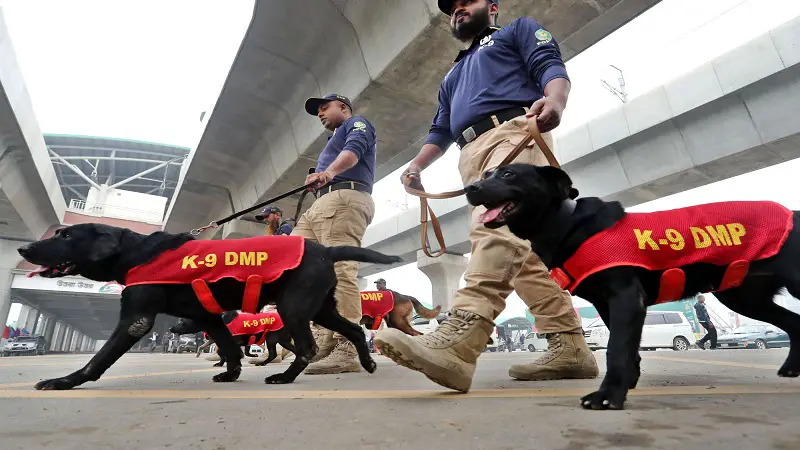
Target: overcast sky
{"points": [[146, 69]]}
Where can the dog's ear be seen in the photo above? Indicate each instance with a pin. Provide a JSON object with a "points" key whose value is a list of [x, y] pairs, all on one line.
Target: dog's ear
{"points": [[105, 245], [560, 180]]}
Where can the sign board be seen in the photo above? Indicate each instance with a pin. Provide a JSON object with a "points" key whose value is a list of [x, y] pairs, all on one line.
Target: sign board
{"points": [[66, 284]]}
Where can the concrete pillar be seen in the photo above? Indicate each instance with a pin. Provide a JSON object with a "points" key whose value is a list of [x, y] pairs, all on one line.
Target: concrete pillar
{"points": [[445, 272], [58, 336], [41, 322], [362, 284], [9, 258], [65, 347], [28, 316], [49, 330]]}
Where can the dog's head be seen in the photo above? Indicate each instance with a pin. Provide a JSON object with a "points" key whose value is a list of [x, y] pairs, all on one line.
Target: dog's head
{"points": [[74, 250], [184, 326], [519, 195]]}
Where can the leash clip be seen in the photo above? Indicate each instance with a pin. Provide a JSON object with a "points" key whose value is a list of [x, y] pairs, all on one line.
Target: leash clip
{"points": [[197, 231]]}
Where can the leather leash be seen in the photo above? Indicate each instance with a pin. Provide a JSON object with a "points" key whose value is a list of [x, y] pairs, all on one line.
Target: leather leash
{"points": [[426, 210]]}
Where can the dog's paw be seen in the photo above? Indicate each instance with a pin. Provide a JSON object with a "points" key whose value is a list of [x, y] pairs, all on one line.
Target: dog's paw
{"points": [[600, 400], [278, 378], [219, 364], [261, 363], [56, 384], [789, 369], [226, 377], [369, 365]]}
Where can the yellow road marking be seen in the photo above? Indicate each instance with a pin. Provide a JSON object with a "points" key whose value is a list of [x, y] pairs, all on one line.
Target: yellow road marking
{"points": [[267, 394], [714, 363]]}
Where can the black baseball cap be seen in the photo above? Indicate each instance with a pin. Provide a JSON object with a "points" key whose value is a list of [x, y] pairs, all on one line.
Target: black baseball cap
{"points": [[446, 5], [313, 103], [267, 211]]}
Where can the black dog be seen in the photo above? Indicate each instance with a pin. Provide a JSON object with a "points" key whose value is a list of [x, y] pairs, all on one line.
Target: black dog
{"points": [[106, 253], [272, 338], [537, 204]]}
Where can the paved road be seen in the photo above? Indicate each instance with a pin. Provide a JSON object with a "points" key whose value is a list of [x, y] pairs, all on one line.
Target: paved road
{"points": [[719, 400]]}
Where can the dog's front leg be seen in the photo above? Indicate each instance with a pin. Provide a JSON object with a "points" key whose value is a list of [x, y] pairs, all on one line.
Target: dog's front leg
{"points": [[627, 313], [127, 333], [229, 350]]}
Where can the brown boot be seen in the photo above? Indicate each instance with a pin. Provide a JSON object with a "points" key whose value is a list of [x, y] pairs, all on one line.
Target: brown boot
{"points": [[446, 356], [567, 356], [343, 358], [324, 339]]}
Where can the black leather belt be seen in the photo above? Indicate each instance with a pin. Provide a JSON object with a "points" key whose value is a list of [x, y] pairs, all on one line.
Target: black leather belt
{"points": [[484, 125], [342, 185]]}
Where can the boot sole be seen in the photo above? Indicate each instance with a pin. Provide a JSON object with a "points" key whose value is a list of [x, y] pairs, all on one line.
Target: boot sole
{"points": [[333, 372], [545, 377], [442, 377]]}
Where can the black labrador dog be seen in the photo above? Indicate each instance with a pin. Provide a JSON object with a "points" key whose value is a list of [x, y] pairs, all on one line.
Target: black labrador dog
{"points": [[538, 204], [106, 253], [187, 326]]}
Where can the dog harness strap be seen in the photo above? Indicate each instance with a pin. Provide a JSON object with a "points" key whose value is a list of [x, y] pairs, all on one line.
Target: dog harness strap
{"points": [[205, 296], [673, 281], [252, 292], [377, 323], [561, 278], [734, 275]]}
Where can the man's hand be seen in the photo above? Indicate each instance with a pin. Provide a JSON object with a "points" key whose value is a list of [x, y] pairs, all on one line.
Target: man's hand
{"points": [[412, 177], [549, 111], [317, 180]]}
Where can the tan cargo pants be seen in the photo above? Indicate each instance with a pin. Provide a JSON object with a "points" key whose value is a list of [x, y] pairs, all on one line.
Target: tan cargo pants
{"points": [[340, 218], [501, 262]]}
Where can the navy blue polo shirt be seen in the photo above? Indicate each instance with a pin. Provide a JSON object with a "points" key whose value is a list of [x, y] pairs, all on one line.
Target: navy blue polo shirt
{"points": [[503, 68], [356, 135]]}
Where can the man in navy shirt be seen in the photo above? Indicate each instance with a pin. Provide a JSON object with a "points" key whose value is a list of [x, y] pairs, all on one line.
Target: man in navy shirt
{"points": [[342, 184], [503, 77], [272, 215]]}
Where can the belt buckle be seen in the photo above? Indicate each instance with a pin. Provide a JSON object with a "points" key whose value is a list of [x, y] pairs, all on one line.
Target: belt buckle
{"points": [[469, 134]]}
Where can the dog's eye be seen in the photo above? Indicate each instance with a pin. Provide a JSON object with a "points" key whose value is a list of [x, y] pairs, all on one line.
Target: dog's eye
{"points": [[507, 174], [64, 234]]}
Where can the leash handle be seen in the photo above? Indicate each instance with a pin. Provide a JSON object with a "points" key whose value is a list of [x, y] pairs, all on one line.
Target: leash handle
{"points": [[426, 211]]}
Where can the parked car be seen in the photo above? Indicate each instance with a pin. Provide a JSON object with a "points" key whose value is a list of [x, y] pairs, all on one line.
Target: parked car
{"points": [[535, 342], [186, 343], [426, 326], [754, 336], [25, 345], [662, 329]]}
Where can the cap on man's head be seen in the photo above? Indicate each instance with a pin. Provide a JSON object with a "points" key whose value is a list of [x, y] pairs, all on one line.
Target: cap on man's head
{"points": [[313, 103], [380, 280], [447, 5], [267, 211]]}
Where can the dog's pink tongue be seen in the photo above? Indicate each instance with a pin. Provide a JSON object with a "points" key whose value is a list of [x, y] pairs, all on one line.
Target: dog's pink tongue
{"points": [[37, 271], [491, 214]]}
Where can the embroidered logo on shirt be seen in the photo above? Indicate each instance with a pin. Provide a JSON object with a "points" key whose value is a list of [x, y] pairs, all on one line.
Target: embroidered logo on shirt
{"points": [[360, 126], [543, 36], [486, 42]]}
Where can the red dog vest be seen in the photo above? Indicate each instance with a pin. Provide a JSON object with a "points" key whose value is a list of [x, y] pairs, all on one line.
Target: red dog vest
{"points": [[728, 234], [255, 261], [252, 324], [376, 304]]}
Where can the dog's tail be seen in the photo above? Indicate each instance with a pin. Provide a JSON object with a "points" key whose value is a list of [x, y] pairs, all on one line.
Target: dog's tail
{"points": [[424, 311], [349, 253]]}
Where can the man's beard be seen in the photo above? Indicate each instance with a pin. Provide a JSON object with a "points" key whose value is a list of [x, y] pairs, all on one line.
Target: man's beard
{"points": [[477, 22]]}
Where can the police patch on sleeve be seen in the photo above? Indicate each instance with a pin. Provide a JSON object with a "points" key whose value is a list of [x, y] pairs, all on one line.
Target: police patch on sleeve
{"points": [[360, 126], [543, 36]]}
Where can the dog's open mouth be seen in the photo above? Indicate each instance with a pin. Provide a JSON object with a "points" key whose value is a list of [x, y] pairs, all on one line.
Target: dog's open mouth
{"points": [[59, 270], [497, 214]]}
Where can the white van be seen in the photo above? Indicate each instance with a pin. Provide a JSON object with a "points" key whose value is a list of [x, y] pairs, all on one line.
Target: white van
{"points": [[662, 329], [535, 342]]}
